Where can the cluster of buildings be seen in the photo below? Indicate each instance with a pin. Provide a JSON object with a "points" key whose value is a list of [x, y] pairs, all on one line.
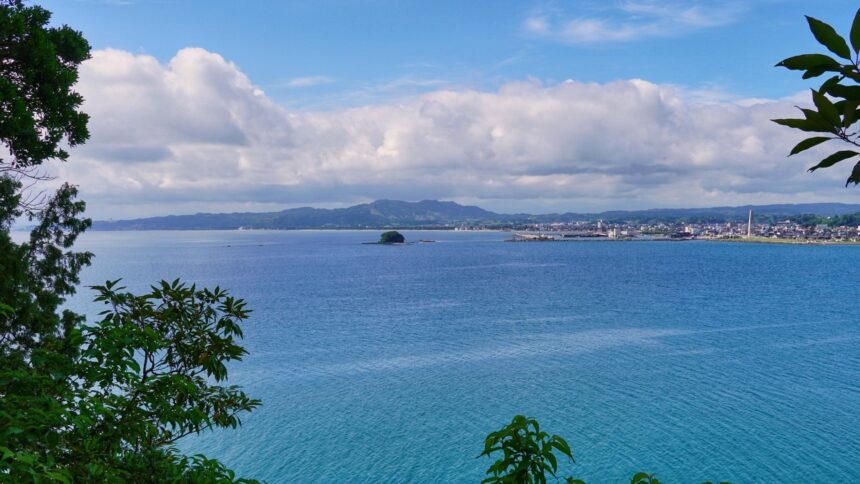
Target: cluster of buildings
{"points": [[781, 230], [784, 230]]}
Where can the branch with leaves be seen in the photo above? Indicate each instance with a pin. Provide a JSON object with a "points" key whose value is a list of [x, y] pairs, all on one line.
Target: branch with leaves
{"points": [[836, 101], [528, 455], [154, 363]]}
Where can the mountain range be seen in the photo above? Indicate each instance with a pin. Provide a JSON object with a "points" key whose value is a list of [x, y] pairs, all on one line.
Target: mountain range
{"points": [[440, 214]]}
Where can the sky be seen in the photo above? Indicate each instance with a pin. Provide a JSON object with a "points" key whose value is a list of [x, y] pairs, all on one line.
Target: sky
{"points": [[513, 106]]}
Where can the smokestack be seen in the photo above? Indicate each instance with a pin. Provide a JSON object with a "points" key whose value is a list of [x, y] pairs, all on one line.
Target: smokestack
{"points": [[749, 225]]}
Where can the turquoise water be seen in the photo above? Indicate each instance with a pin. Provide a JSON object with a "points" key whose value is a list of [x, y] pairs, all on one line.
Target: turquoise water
{"points": [[692, 360]]}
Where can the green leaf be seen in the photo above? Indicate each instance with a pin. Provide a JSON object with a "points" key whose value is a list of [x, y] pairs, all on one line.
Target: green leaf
{"points": [[553, 463], [855, 176], [826, 108], [833, 81], [809, 61], [834, 159], [849, 113], [855, 32], [802, 124], [808, 143], [850, 72], [817, 121], [845, 92], [58, 476], [827, 36], [814, 72], [562, 445]]}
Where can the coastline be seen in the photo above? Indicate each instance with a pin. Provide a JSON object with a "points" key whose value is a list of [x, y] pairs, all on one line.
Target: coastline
{"points": [[775, 241]]}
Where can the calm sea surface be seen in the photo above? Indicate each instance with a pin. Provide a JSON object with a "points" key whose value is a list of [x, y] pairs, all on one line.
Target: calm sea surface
{"points": [[691, 360]]}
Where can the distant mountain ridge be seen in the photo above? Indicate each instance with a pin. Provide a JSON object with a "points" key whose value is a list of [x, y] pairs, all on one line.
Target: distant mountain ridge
{"points": [[434, 213]]}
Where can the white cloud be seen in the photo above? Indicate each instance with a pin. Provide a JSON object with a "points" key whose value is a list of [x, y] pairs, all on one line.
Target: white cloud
{"points": [[633, 20], [309, 81], [196, 134]]}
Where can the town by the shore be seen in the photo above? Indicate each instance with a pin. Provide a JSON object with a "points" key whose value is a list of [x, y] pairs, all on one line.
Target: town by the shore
{"points": [[781, 232]]}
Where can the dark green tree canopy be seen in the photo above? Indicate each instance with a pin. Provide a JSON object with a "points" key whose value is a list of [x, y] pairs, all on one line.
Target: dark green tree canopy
{"points": [[39, 110], [836, 101], [392, 237], [105, 402]]}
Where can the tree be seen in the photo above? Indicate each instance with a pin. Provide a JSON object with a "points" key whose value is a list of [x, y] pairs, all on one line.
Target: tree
{"points": [[38, 343], [528, 453], [39, 66], [392, 237], [836, 101], [39, 112], [104, 402], [146, 379]]}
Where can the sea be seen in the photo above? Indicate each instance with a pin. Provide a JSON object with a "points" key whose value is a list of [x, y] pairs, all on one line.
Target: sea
{"points": [[689, 360]]}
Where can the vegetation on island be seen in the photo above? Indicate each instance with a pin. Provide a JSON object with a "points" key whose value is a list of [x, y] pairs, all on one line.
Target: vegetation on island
{"points": [[392, 237], [837, 101], [103, 401]]}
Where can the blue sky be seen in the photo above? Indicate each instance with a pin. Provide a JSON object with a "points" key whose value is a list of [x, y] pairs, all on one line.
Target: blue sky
{"points": [[259, 105], [331, 53]]}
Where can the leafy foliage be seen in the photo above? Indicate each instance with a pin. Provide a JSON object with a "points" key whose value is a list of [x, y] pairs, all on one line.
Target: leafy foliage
{"points": [[644, 478], [106, 402], [836, 101], [150, 360], [38, 275], [38, 344], [38, 68], [392, 237], [528, 453]]}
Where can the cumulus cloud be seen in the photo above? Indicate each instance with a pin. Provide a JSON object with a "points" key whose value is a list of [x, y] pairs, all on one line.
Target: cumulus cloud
{"points": [[633, 20], [196, 134]]}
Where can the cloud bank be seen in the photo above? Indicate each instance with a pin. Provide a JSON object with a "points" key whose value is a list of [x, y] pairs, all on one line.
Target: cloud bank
{"points": [[195, 134]]}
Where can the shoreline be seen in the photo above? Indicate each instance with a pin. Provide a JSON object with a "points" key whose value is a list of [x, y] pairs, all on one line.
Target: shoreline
{"points": [[746, 240], [774, 241]]}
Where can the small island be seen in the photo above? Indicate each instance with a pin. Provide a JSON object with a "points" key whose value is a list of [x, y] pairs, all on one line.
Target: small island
{"points": [[392, 237]]}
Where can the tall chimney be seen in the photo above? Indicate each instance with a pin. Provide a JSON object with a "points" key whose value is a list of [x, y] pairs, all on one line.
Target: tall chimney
{"points": [[749, 225]]}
